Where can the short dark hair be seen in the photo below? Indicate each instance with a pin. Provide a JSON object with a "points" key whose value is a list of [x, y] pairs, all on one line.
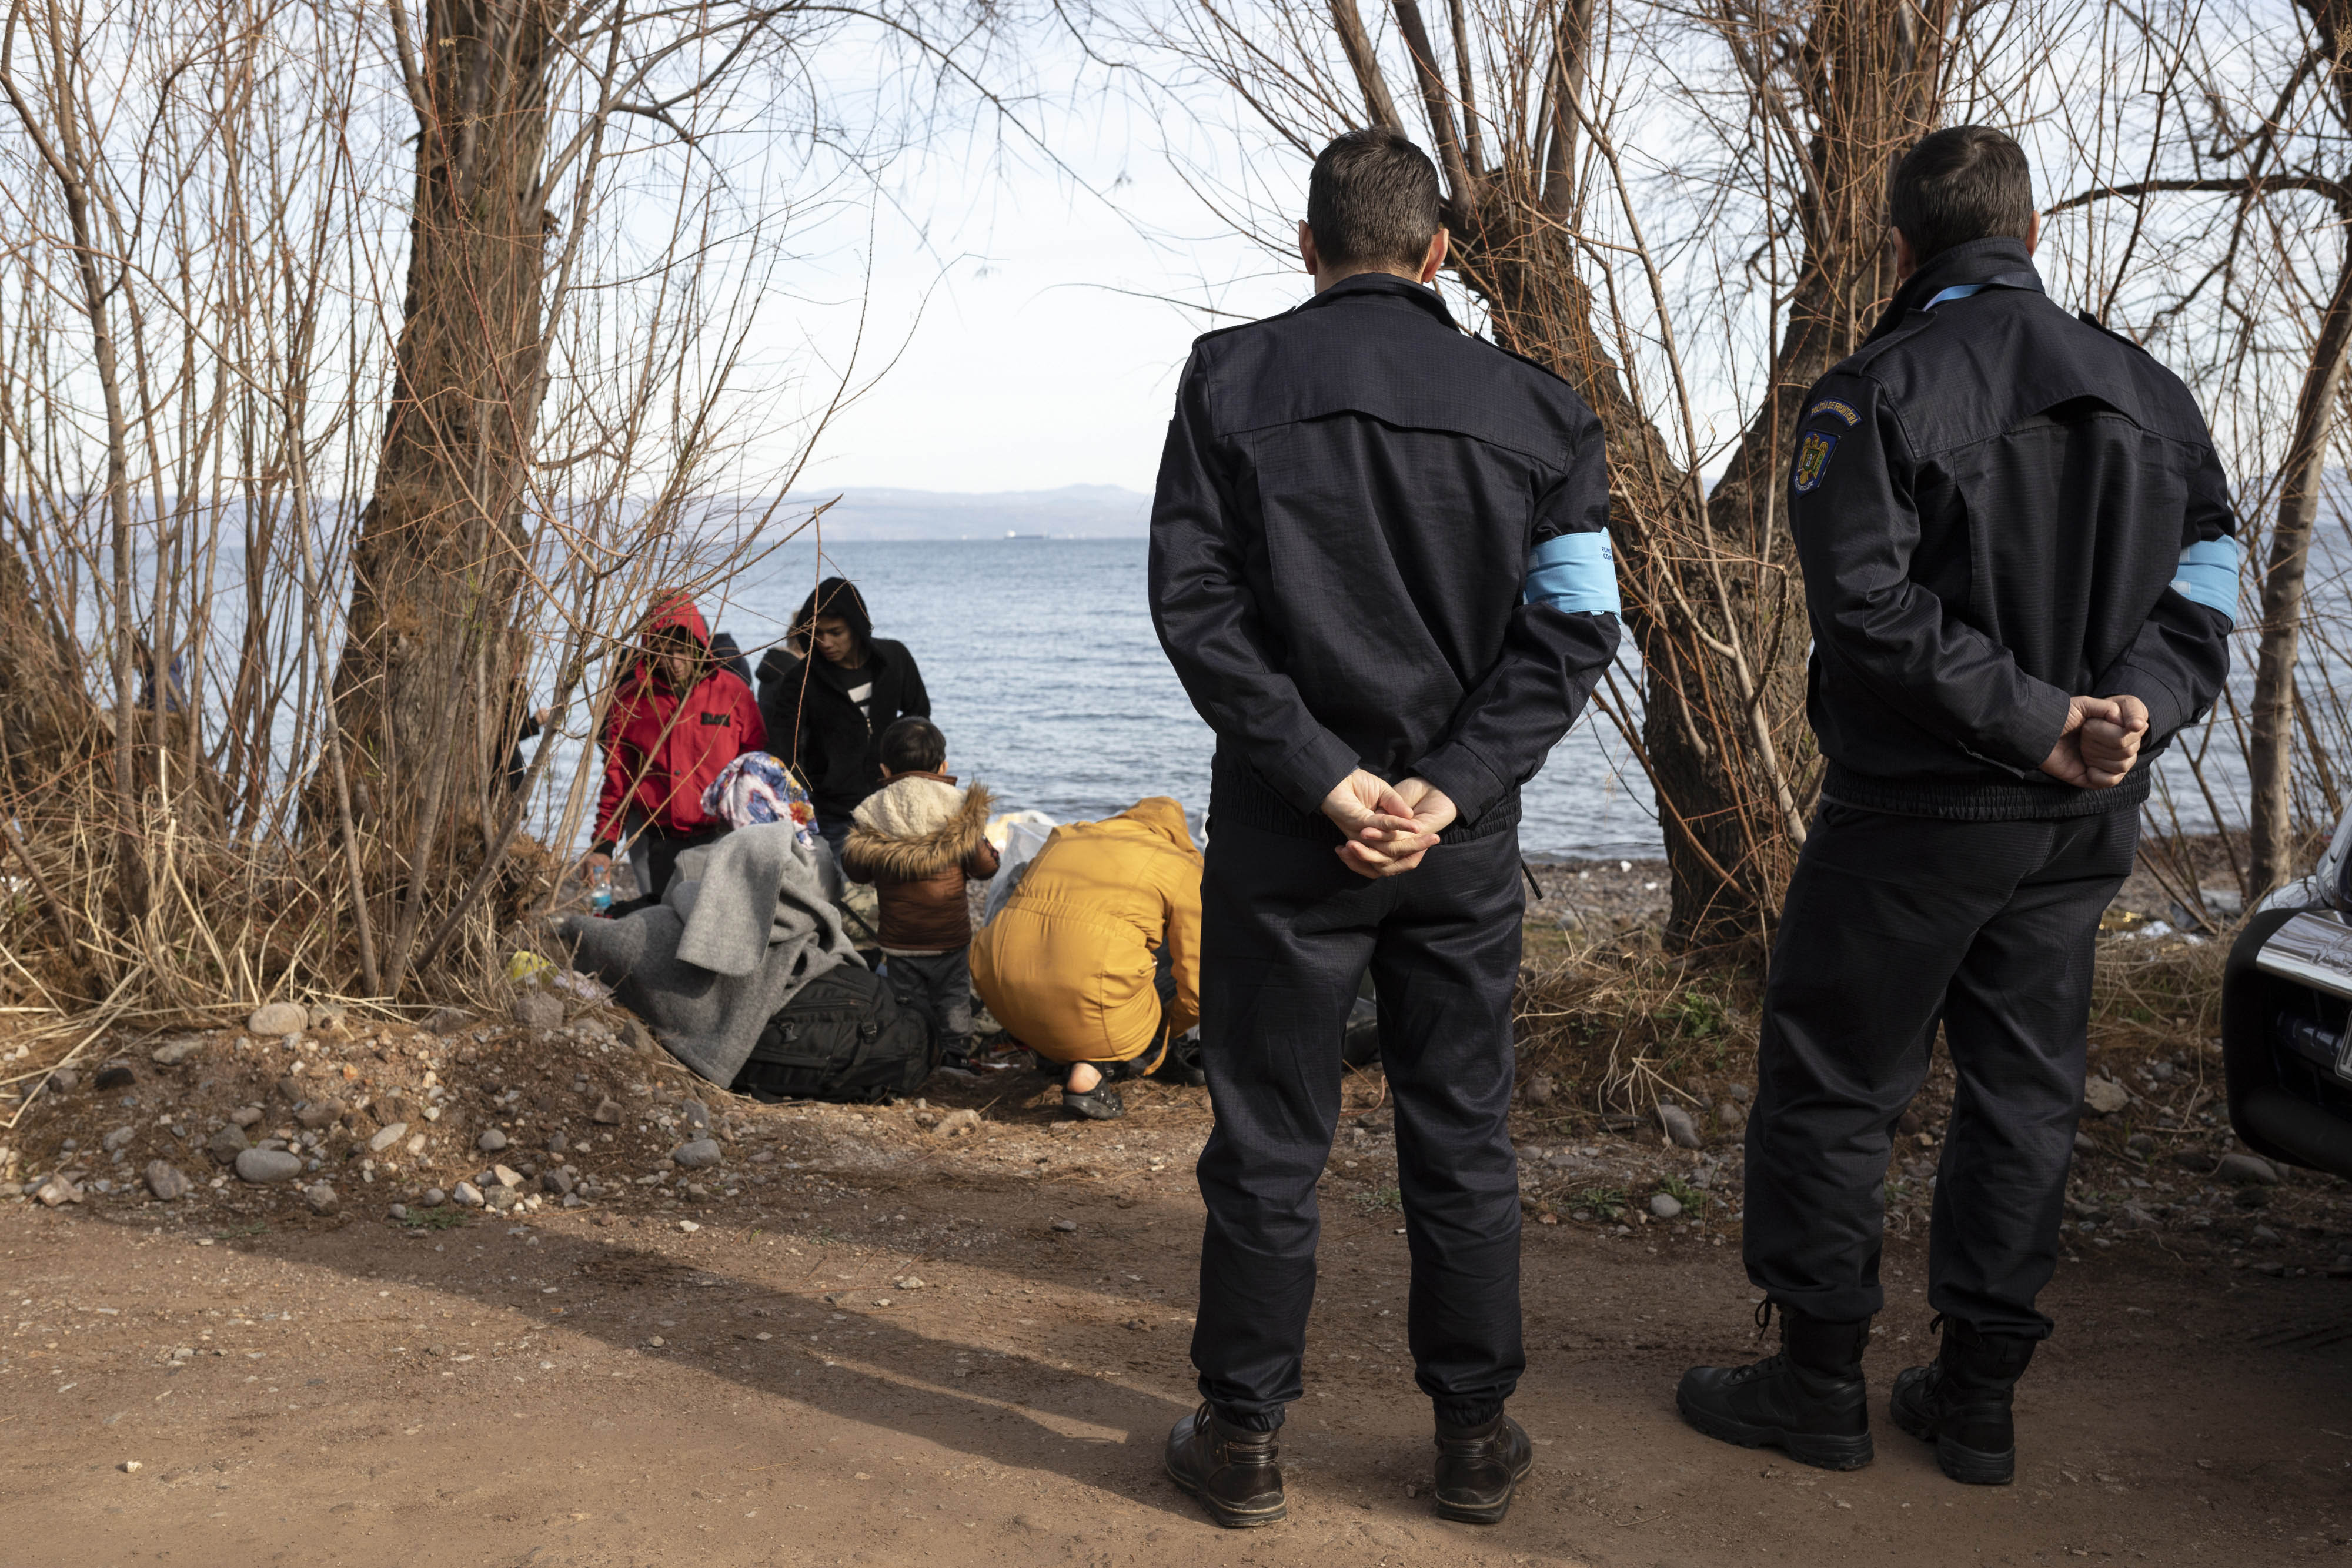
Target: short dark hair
{"points": [[914, 746], [1960, 184], [1373, 201]]}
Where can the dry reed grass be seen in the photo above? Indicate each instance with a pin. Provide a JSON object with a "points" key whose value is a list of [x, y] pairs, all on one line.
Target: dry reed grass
{"points": [[1619, 1026]]}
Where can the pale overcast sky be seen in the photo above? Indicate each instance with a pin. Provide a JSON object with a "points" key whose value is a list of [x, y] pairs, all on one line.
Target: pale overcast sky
{"points": [[1028, 367]]}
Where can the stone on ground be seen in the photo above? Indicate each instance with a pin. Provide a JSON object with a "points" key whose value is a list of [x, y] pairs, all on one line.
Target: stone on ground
{"points": [[388, 1136], [265, 1166], [537, 1009], [2104, 1097], [278, 1018], [164, 1180], [1664, 1206], [177, 1049], [1679, 1127], [698, 1155], [2247, 1170]]}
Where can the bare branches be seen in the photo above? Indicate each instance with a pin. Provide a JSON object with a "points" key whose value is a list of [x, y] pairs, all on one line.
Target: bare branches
{"points": [[1356, 45], [2252, 187], [201, 188]]}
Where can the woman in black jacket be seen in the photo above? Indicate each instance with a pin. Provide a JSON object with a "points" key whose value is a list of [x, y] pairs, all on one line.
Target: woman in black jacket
{"points": [[831, 708]]}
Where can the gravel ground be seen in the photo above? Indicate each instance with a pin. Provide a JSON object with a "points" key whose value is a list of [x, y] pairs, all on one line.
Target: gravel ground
{"points": [[960, 1343], [659, 1323]]}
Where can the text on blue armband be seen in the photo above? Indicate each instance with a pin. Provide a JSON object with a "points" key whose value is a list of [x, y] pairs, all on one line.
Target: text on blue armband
{"points": [[1574, 573]]}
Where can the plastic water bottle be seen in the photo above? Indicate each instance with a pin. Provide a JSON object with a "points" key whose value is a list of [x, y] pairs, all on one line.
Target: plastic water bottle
{"points": [[600, 889]]}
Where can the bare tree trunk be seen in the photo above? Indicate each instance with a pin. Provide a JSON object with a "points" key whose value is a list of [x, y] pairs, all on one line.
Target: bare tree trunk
{"points": [[2272, 749], [1716, 603], [437, 567], [2270, 753], [1868, 87]]}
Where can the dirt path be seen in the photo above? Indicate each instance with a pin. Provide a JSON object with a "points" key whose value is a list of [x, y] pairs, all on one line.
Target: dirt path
{"points": [[594, 1388]]}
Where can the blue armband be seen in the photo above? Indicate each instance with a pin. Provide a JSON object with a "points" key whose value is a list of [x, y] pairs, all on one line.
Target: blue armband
{"points": [[1574, 573], [2208, 575]]}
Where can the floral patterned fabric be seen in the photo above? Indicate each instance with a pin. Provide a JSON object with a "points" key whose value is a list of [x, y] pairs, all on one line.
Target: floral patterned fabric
{"points": [[757, 787]]}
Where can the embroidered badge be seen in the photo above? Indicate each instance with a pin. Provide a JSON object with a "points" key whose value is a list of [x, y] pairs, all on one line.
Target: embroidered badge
{"points": [[1844, 411], [1812, 460]]}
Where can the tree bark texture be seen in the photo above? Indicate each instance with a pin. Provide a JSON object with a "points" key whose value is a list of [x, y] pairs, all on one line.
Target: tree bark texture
{"points": [[1866, 86], [1713, 600], [2270, 755], [424, 691]]}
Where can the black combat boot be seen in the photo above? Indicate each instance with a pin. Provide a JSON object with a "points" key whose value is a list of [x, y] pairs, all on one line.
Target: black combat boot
{"points": [[1808, 1399], [1236, 1473], [1960, 1403], [1478, 1468]]}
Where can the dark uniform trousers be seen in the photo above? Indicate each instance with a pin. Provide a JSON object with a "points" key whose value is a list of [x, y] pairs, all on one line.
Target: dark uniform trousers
{"points": [[1287, 935], [1892, 924]]}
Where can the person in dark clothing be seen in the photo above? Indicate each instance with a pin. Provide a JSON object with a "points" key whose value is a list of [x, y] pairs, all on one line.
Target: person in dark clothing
{"points": [[2020, 571], [828, 696], [1379, 565], [727, 654]]}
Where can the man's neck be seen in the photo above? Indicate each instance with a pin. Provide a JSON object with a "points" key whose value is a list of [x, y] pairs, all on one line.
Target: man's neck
{"points": [[1325, 279]]}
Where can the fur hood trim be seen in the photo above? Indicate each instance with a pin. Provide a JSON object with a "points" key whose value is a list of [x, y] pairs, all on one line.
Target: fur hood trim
{"points": [[916, 827]]}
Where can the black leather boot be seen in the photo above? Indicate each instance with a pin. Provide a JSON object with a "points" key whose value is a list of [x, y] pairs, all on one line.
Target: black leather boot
{"points": [[1807, 1400], [1236, 1473], [1478, 1468], [1961, 1403]]}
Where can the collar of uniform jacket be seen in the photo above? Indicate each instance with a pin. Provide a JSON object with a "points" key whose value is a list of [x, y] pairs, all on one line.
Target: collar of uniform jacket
{"points": [[1379, 285], [2001, 263]]}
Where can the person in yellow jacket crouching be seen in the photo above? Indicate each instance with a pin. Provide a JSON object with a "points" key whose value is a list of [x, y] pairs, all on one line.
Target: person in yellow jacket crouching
{"points": [[1095, 960]]}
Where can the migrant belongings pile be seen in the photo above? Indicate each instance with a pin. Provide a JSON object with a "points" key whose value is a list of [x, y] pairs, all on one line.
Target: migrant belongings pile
{"points": [[744, 973]]}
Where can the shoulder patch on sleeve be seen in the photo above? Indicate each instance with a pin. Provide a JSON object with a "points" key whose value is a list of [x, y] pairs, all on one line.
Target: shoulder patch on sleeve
{"points": [[1812, 460], [1830, 405]]}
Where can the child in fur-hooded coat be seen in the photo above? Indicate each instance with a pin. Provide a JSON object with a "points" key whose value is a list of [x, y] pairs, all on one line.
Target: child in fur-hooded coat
{"points": [[916, 839]]}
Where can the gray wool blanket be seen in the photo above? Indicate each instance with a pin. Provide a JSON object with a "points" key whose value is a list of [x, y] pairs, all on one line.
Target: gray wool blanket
{"points": [[744, 924]]}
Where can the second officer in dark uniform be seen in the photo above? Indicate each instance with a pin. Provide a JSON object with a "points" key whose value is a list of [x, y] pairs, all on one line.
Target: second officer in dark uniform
{"points": [[2021, 572]]}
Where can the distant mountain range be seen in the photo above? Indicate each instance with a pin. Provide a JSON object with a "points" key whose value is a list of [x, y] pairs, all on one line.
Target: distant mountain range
{"points": [[1074, 511]]}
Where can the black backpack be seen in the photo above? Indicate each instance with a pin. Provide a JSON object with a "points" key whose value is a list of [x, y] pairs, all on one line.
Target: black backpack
{"points": [[843, 1037]]}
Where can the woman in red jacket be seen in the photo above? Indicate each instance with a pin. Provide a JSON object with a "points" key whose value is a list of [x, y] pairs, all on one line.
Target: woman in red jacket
{"points": [[680, 717]]}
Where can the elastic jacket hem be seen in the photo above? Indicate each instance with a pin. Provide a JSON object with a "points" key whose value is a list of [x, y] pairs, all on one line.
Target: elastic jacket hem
{"points": [[1981, 802]]}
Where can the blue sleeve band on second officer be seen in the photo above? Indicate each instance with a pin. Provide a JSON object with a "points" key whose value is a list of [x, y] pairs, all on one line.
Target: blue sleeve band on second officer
{"points": [[1574, 573], [2208, 575]]}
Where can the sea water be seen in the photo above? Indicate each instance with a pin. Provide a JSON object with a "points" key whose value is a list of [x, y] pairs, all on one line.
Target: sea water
{"points": [[1047, 677]]}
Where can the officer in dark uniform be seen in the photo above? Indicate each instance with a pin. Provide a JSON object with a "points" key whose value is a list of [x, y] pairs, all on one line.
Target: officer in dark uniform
{"points": [[2020, 569], [1379, 567]]}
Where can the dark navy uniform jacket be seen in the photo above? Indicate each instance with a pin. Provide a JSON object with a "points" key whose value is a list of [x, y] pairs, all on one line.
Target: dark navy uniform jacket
{"points": [[1378, 542], [1998, 506]]}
